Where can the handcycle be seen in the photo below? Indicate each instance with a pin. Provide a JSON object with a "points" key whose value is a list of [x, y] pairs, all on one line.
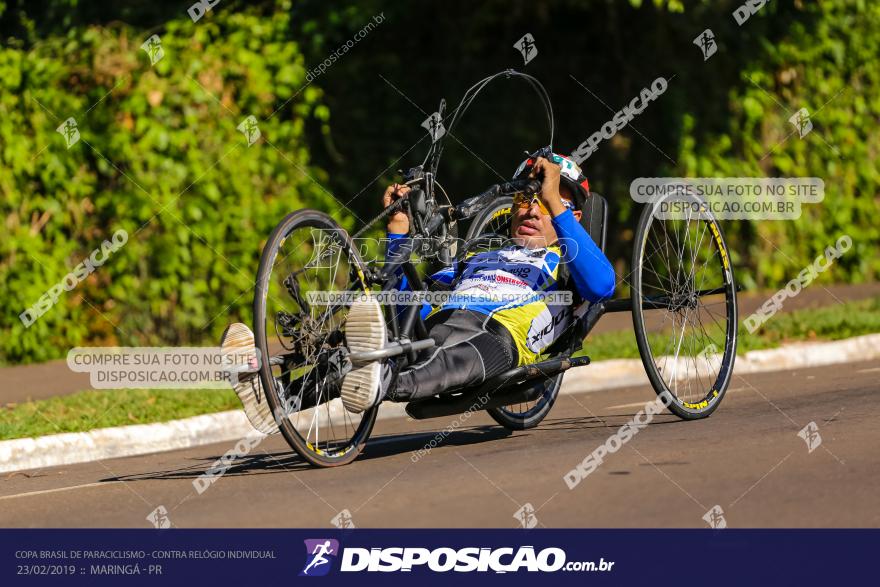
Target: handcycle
{"points": [[682, 301]]}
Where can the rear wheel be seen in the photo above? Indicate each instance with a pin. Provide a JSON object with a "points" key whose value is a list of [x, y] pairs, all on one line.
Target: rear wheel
{"points": [[525, 415], [684, 307], [300, 337], [493, 220], [491, 227]]}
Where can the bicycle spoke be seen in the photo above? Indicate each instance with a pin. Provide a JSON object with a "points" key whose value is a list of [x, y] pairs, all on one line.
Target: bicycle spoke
{"points": [[308, 259], [679, 258]]}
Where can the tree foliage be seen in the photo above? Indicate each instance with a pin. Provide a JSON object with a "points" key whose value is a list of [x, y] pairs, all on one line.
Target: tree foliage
{"points": [[161, 157]]}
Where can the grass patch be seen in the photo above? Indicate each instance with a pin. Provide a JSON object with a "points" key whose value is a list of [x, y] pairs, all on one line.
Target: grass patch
{"points": [[87, 410], [827, 323]]}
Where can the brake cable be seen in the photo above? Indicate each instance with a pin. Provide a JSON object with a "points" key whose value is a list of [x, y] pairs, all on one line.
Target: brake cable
{"points": [[436, 151]]}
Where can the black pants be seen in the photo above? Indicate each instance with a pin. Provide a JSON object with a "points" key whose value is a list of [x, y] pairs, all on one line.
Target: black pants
{"points": [[470, 349]]}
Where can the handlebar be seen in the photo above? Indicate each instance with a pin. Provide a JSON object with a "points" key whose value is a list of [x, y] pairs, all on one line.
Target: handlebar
{"points": [[526, 186], [473, 205], [476, 203]]}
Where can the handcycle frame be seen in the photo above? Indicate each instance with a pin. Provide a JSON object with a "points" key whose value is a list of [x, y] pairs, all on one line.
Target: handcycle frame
{"points": [[324, 355], [409, 333]]}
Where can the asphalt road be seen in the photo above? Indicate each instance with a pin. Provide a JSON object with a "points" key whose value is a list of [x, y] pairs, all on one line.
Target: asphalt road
{"points": [[747, 458]]}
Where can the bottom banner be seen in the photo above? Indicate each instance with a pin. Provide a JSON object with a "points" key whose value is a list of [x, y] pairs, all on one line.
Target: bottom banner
{"points": [[610, 557]]}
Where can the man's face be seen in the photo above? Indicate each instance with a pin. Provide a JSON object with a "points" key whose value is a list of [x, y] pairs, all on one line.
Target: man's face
{"points": [[531, 228]]}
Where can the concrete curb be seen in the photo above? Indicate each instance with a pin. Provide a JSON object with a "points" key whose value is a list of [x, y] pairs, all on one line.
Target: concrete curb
{"points": [[123, 441], [628, 372]]}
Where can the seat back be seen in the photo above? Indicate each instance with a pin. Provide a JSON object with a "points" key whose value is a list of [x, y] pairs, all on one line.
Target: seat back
{"points": [[594, 218]]}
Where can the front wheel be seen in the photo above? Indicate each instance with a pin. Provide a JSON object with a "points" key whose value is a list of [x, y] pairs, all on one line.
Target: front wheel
{"points": [[308, 270], [684, 306]]}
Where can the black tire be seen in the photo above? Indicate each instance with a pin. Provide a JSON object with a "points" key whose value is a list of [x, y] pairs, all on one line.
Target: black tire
{"points": [[494, 219], [525, 415], [312, 334], [670, 260], [490, 225]]}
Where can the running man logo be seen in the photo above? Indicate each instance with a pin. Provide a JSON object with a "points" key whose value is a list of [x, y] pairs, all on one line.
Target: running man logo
{"points": [[153, 48], [706, 42], [69, 131], [250, 130], [434, 125], [801, 121], [343, 520], [810, 434], [715, 518], [526, 516], [320, 553], [159, 518], [526, 47]]}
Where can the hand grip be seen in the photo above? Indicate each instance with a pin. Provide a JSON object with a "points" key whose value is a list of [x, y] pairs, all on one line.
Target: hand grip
{"points": [[527, 186]]}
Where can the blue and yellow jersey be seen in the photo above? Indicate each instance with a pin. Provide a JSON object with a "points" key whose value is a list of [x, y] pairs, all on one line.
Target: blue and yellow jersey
{"points": [[508, 284]]}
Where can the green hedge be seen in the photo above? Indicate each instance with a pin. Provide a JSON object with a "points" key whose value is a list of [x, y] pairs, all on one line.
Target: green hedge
{"points": [[824, 59], [160, 158], [182, 274]]}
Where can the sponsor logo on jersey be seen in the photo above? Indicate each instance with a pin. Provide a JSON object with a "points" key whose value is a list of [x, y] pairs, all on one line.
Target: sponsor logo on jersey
{"points": [[543, 329]]}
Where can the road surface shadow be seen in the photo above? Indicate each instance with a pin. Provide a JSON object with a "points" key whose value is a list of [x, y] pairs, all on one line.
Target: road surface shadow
{"points": [[257, 464], [419, 443], [604, 421], [378, 447], [395, 444], [288, 461]]}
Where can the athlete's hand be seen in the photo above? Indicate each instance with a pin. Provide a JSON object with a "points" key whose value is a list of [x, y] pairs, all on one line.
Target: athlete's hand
{"points": [[398, 223], [548, 172]]}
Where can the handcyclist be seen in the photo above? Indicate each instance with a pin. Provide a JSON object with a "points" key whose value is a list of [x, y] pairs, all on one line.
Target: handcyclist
{"points": [[478, 332]]}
